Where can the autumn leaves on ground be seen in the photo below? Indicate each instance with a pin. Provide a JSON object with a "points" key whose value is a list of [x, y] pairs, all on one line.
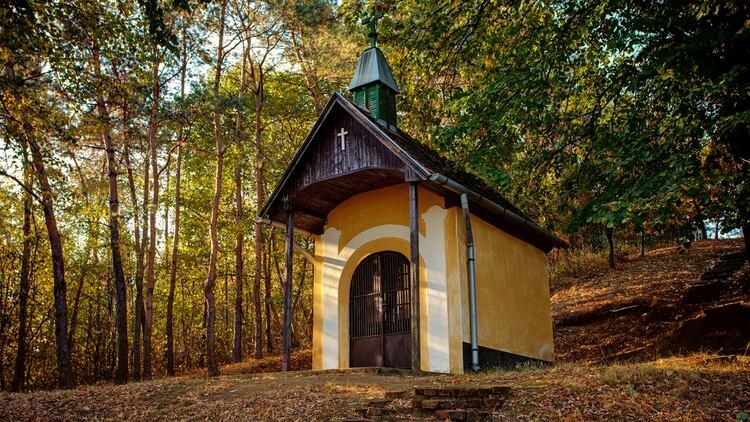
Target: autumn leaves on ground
{"points": [[634, 343]]}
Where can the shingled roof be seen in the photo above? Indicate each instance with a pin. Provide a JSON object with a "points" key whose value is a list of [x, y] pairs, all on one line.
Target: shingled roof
{"points": [[436, 163], [427, 165]]}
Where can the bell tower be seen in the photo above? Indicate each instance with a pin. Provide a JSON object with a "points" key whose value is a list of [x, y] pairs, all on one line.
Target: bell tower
{"points": [[372, 85]]}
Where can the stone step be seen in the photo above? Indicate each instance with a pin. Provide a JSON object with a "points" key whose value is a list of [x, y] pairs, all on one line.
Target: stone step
{"points": [[446, 403], [362, 411], [380, 403], [702, 292], [393, 395], [726, 266], [377, 411], [715, 276]]}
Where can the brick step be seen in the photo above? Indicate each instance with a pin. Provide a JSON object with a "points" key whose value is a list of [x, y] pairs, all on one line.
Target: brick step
{"points": [[457, 403], [480, 392], [462, 415]]}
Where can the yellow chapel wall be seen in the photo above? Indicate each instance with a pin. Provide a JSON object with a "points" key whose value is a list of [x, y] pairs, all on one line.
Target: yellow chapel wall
{"points": [[512, 281], [513, 303], [375, 221]]}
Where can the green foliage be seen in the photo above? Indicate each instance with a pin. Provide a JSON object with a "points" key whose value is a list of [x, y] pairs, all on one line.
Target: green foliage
{"points": [[585, 113], [629, 116]]}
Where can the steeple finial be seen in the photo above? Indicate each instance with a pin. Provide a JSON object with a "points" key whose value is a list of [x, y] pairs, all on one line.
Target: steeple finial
{"points": [[372, 20]]}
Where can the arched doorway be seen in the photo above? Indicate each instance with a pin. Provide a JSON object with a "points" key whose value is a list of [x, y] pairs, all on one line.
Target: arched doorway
{"points": [[380, 312]]}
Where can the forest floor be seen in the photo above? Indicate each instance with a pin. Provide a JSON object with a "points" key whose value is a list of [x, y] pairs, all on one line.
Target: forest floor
{"points": [[636, 343], [654, 306]]}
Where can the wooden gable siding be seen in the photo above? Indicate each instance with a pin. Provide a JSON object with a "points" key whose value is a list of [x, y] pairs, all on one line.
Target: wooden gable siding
{"points": [[326, 160], [327, 175]]}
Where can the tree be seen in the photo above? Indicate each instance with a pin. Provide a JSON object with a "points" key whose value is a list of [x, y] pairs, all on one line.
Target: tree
{"points": [[239, 213], [121, 374], [151, 262], [65, 371], [213, 367], [176, 243], [19, 373]]}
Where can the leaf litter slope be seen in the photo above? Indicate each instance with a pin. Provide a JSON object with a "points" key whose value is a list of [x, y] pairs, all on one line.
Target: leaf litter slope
{"points": [[641, 311], [698, 387], [588, 383]]}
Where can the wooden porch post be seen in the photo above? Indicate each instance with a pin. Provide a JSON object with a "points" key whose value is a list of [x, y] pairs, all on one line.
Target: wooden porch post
{"points": [[414, 272], [287, 328]]}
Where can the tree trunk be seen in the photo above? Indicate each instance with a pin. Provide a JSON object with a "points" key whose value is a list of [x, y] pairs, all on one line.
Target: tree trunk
{"points": [[151, 264], [121, 373], [700, 219], [19, 374], [240, 236], [643, 241], [716, 229], [610, 232], [92, 247], [74, 312], [295, 332], [287, 323], [176, 243], [64, 368], [311, 81], [259, 91], [267, 299], [140, 234], [208, 291], [256, 289]]}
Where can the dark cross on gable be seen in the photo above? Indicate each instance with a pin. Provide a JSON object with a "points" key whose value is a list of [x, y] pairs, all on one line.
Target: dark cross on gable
{"points": [[372, 20]]}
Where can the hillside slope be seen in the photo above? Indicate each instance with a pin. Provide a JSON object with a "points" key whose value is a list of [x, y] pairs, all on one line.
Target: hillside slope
{"points": [[613, 330], [668, 302]]}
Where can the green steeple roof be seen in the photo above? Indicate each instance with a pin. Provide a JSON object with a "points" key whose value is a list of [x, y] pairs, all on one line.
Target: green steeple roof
{"points": [[373, 67], [372, 85]]}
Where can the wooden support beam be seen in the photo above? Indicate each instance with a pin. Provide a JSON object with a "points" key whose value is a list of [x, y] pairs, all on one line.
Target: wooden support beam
{"points": [[287, 328], [308, 256], [414, 273]]}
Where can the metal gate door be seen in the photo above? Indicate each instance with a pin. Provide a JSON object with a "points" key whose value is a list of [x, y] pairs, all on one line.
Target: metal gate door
{"points": [[380, 312]]}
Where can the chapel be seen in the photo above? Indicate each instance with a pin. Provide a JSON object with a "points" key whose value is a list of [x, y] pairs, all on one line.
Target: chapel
{"points": [[418, 263]]}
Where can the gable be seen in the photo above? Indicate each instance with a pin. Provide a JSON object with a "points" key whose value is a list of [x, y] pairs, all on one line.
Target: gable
{"points": [[325, 174], [326, 159]]}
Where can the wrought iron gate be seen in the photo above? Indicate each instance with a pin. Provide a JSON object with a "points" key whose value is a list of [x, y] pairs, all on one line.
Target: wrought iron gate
{"points": [[380, 312]]}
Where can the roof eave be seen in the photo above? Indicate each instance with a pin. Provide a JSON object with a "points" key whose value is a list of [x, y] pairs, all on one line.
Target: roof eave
{"points": [[548, 239]]}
